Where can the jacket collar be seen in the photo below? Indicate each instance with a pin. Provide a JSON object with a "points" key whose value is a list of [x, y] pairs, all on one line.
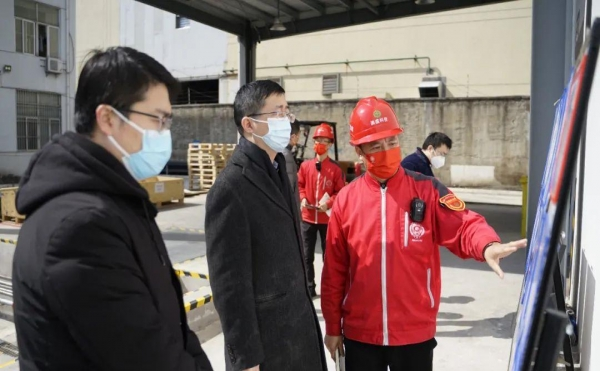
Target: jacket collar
{"points": [[315, 159], [374, 185], [256, 173], [422, 156]]}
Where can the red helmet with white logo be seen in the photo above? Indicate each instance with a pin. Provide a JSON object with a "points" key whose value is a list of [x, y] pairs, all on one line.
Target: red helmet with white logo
{"points": [[372, 119], [323, 131]]}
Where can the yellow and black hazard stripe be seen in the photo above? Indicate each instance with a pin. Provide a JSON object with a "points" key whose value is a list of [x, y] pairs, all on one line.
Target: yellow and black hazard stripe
{"points": [[11, 242], [182, 273], [190, 260], [9, 363], [198, 302]]}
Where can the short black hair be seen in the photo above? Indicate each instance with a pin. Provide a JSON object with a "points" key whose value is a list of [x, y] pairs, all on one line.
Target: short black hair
{"points": [[295, 128], [119, 77], [251, 97], [437, 140]]}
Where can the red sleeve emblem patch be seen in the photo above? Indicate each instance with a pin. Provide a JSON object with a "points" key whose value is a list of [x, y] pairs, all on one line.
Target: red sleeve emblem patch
{"points": [[452, 202]]}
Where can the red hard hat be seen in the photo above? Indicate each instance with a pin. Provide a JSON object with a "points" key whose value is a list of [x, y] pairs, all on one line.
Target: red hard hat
{"points": [[372, 119], [323, 131]]}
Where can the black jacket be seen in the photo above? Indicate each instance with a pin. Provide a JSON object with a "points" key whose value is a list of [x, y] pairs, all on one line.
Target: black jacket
{"points": [[93, 284], [292, 173], [417, 161], [256, 267]]}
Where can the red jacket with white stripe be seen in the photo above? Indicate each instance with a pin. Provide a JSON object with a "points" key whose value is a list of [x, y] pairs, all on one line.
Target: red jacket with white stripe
{"points": [[381, 280], [313, 184]]}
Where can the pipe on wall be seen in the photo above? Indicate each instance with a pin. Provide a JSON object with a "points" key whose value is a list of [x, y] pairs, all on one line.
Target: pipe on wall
{"points": [[347, 62]]}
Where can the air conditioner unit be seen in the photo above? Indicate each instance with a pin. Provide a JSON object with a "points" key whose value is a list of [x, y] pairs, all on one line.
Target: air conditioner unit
{"points": [[432, 87], [53, 65]]}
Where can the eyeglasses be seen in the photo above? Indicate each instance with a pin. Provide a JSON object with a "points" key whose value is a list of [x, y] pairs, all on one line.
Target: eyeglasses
{"points": [[165, 122], [277, 114], [436, 153]]}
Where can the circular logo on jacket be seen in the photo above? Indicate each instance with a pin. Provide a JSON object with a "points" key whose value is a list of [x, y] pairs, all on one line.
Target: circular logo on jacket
{"points": [[417, 231]]}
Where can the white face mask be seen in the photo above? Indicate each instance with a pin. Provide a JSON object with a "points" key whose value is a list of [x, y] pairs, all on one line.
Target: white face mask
{"points": [[279, 133], [438, 161]]}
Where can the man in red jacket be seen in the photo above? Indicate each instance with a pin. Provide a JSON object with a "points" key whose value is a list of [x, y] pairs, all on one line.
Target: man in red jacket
{"points": [[381, 280], [319, 181]]}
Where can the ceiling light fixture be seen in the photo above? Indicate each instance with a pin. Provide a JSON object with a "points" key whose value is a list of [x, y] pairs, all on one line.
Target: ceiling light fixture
{"points": [[278, 25]]}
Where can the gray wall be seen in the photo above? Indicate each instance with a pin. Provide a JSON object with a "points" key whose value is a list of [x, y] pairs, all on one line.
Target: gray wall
{"points": [[491, 135], [207, 123]]}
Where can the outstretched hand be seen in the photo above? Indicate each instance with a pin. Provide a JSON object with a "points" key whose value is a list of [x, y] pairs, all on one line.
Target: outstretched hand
{"points": [[497, 251]]}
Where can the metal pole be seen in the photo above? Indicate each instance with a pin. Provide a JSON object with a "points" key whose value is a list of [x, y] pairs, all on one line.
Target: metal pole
{"points": [[247, 66], [548, 70]]}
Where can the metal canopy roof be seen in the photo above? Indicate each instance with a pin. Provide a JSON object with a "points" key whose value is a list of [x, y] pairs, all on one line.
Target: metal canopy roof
{"points": [[241, 17]]}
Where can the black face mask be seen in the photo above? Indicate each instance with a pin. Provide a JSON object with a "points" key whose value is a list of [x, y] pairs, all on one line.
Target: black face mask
{"points": [[318, 164]]}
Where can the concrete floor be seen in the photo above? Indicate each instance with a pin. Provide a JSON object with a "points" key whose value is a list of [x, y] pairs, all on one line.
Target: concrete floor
{"points": [[476, 312], [475, 322]]}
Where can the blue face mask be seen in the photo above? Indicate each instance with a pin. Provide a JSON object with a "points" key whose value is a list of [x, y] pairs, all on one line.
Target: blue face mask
{"points": [[278, 137], [154, 155]]}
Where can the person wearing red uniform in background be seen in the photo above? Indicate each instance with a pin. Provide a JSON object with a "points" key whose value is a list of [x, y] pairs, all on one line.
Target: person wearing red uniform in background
{"points": [[319, 181], [381, 280]]}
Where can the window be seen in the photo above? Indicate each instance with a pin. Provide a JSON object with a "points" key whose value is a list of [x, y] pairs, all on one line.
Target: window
{"points": [[181, 22], [198, 92], [36, 29], [38, 119]]}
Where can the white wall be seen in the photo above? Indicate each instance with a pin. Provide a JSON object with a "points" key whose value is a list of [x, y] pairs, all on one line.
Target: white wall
{"points": [[28, 72], [589, 295], [197, 51], [482, 51], [97, 27]]}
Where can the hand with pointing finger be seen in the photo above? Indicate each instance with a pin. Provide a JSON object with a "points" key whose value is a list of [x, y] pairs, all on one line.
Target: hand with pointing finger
{"points": [[496, 251]]}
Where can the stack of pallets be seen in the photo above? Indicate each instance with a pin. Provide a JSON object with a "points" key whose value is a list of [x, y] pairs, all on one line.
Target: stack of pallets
{"points": [[205, 163]]}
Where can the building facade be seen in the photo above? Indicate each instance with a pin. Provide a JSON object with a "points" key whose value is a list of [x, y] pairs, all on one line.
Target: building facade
{"points": [[193, 52], [476, 52], [483, 51], [37, 78]]}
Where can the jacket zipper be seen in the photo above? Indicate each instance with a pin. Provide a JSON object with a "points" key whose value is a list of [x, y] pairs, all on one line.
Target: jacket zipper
{"points": [[429, 287], [317, 198], [384, 265], [405, 229]]}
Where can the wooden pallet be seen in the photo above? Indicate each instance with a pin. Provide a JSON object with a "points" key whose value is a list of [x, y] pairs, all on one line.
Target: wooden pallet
{"points": [[8, 209], [13, 219], [163, 203], [205, 163]]}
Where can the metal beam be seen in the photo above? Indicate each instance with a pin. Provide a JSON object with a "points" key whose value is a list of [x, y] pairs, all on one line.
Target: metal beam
{"points": [[283, 8], [207, 15], [369, 6], [315, 5], [346, 3], [363, 16], [245, 8]]}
